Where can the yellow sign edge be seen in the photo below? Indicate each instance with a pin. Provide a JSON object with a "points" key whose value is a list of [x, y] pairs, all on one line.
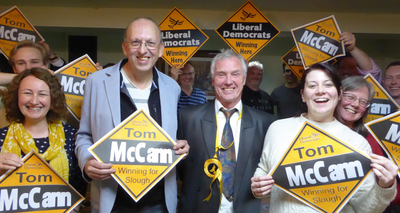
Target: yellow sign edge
{"points": [[388, 117], [369, 76], [29, 155], [290, 67], [118, 127], [198, 47], [9, 10], [248, 2], [59, 71], [305, 124], [312, 23]]}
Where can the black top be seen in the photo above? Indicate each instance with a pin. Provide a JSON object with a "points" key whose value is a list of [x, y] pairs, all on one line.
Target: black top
{"points": [[288, 101], [257, 99], [75, 175]]}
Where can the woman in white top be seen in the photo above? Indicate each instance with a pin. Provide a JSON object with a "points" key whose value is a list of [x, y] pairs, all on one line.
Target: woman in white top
{"points": [[321, 89]]}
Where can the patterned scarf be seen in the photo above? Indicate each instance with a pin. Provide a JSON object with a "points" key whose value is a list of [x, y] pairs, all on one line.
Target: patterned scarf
{"points": [[18, 139]]}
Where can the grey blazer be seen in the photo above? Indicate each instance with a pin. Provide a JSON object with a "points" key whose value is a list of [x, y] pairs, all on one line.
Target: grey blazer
{"points": [[197, 125], [101, 113]]}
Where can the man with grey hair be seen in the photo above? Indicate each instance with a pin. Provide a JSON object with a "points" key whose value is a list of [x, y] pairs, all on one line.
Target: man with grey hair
{"points": [[111, 96], [252, 95], [226, 140]]}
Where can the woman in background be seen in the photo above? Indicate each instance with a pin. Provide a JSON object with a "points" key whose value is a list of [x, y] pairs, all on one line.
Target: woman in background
{"points": [[352, 112]]}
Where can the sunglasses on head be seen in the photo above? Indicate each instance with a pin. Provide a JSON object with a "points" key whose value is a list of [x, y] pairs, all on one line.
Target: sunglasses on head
{"points": [[287, 71]]}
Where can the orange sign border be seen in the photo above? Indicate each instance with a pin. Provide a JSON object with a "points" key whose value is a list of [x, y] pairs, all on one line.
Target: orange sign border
{"points": [[265, 44], [29, 155], [312, 23], [190, 56], [9, 10], [118, 127], [67, 66], [387, 117], [349, 195]]}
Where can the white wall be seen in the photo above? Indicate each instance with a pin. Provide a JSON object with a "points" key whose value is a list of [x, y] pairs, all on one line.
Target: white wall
{"points": [[379, 32]]}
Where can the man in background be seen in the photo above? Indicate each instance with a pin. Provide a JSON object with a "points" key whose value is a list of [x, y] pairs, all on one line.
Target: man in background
{"points": [[252, 95], [190, 95], [287, 97]]}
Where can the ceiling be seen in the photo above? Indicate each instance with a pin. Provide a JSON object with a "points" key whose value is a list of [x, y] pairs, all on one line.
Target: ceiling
{"points": [[344, 6]]}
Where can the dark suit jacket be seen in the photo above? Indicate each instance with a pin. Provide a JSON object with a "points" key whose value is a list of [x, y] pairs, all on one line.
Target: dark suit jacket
{"points": [[197, 125]]}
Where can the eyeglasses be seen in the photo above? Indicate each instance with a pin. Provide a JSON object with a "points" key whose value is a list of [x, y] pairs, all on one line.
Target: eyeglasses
{"points": [[136, 44], [287, 72], [351, 98]]}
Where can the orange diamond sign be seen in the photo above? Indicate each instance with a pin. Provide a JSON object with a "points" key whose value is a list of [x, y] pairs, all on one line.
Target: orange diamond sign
{"points": [[318, 41], [72, 77], [140, 151], [320, 170], [382, 104], [14, 27], [181, 38], [386, 131], [293, 60], [247, 31], [36, 187]]}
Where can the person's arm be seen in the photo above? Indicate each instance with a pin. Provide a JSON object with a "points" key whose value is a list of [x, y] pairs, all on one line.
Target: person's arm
{"points": [[90, 167], [6, 78], [175, 71], [56, 62], [363, 60], [379, 187], [365, 64]]}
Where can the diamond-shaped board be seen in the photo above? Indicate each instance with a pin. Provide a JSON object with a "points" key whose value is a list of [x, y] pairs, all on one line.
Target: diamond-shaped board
{"points": [[382, 104], [293, 60], [387, 132], [303, 170], [247, 31], [181, 37], [14, 27], [72, 77], [36, 187], [318, 41], [140, 151]]}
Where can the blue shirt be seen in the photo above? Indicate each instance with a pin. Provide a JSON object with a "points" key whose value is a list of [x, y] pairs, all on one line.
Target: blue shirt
{"points": [[197, 97]]}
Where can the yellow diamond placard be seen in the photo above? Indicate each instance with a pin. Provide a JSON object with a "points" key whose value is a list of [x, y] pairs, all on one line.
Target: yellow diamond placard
{"points": [[382, 104], [36, 187], [15, 27], [387, 132], [247, 31], [320, 170], [293, 60], [72, 77], [181, 37], [140, 151], [318, 41]]}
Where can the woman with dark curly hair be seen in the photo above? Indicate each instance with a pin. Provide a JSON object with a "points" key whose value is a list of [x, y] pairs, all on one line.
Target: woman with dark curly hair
{"points": [[35, 105]]}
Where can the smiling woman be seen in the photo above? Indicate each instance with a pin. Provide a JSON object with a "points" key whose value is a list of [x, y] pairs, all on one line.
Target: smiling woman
{"points": [[35, 105], [321, 90], [351, 109]]}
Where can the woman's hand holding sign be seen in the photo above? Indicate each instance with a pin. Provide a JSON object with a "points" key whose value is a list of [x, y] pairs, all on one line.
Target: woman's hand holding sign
{"points": [[261, 185], [9, 161], [384, 169]]}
